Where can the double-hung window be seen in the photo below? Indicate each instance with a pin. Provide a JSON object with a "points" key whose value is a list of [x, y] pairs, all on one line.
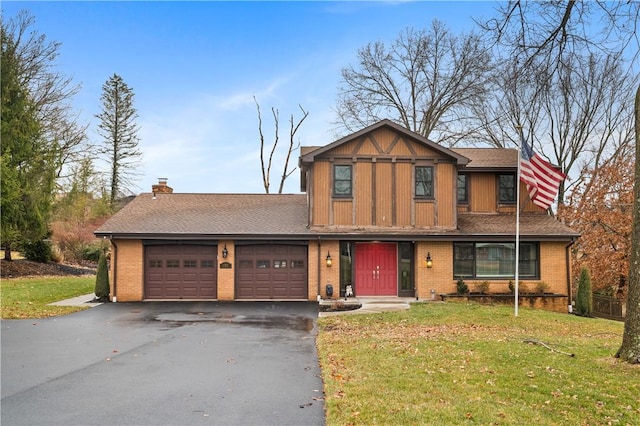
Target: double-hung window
{"points": [[424, 181], [463, 189], [342, 181], [507, 188]]}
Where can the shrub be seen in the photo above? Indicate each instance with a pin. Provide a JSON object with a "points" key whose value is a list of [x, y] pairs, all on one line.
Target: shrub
{"points": [[584, 298], [482, 287], [37, 251], [461, 286], [92, 252], [542, 287], [522, 288], [102, 280]]}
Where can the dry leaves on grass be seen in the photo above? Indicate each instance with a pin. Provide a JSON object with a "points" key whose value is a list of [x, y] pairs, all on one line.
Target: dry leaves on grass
{"points": [[337, 329]]}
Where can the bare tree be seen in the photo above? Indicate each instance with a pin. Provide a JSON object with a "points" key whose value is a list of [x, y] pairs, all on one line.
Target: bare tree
{"points": [[266, 164], [425, 81], [579, 115], [541, 32], [50, 92]]}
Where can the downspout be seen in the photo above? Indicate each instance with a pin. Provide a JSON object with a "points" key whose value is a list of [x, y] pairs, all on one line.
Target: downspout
{"points": [[567, 257], [319, 294], [114, 259]]}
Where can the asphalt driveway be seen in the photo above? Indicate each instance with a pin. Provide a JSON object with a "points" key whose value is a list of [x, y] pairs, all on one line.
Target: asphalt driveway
{"points": [[164, 363]]}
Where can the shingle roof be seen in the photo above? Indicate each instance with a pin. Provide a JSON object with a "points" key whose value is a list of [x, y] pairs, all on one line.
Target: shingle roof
{"points": [[172, 215], [489, 158], [470, 227], [537, 225], [285, 216]]}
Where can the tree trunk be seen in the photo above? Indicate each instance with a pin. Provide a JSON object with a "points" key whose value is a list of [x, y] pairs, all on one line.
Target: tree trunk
{"points": [[630, 349], [7, 252]]}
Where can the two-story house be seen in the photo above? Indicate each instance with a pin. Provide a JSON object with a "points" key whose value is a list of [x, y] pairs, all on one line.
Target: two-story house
{"points": [[384, 210]]}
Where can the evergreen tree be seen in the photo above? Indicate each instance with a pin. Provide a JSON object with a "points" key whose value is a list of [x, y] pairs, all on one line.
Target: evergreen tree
{"points": [[27, 166], [102, 280], [584, 298], [119, 129]]}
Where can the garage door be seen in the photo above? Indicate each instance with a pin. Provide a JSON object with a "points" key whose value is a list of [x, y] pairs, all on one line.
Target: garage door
{"points": [[271, 272], [182, 271]]}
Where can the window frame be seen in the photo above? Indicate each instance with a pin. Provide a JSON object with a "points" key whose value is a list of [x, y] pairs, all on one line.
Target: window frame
{"points": [[429, 184], [465, 199], [526, 261], [514, 189], [336, 193]]}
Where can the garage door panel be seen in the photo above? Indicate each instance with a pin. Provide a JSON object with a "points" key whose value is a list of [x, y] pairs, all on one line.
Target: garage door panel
{"points": [[271, 271], [180, 271]]}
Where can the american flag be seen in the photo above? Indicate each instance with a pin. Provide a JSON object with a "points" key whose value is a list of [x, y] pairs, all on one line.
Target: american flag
{"points": [[542, 179]]}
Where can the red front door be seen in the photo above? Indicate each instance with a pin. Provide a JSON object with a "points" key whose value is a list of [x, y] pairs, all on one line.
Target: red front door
{"points": [[376, 269]]}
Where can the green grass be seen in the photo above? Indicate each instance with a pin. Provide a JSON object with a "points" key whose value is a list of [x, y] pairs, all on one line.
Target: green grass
{"points": [[458, 363], [30, 297]]}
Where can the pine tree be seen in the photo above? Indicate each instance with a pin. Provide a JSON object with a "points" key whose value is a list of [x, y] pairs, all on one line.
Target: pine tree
{"points": [[584, 298], [102, 280], [26, 166], [119, 130]]}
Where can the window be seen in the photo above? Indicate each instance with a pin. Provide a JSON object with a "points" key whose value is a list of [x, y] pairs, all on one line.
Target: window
{"points": [[424, 181], [190, 263], [405, 251], [173, 263], [346, 262], [494, 260], [297, 263], [279, 263], [341, 181], [507, 188], [206, 263], [463, 190], [246, 264], [155, 263]]}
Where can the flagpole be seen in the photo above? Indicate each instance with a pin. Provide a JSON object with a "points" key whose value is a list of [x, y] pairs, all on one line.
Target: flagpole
{"points": [[519, 127]]}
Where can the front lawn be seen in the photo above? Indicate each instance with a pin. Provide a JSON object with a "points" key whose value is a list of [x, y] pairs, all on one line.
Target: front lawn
{"points": [[30, 297], [459, 363]]}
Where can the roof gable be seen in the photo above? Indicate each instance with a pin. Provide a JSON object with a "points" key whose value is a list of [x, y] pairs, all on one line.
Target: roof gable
{"points": [[355, 143]]}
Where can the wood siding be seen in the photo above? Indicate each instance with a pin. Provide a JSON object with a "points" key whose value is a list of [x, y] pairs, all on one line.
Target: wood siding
{"points": [[383, 173], [383, 164], [483, 194], [446, 195], [384, 194]]}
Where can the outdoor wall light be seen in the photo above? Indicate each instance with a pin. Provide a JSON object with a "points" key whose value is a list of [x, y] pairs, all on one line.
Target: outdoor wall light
{"points": [[329, 260], [225, 252], [429, 261]]}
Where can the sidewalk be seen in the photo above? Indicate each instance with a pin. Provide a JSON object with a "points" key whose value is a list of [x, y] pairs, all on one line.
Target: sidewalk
{"points": [[367, 305], [84, 300]]}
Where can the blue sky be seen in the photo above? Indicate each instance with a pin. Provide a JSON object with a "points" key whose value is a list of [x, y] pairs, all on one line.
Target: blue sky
{"points": [[195, 67]]}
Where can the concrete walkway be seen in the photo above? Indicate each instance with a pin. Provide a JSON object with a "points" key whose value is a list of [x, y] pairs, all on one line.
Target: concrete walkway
{"points": [[84, 300], [368, 305]]}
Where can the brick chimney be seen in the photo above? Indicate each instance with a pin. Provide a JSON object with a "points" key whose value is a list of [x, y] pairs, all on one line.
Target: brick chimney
{"points": [[161, 187]]}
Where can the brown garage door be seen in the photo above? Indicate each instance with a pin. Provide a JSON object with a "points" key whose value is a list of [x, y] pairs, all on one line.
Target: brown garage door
{"points": [[271, 272], [180, 271]]}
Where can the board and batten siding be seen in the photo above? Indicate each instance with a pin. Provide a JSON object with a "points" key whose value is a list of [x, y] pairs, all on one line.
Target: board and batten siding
{"points": [[383, 172]]}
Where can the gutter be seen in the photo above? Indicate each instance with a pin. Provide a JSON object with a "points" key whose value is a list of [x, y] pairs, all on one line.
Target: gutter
{"points": [[114, 259]]}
